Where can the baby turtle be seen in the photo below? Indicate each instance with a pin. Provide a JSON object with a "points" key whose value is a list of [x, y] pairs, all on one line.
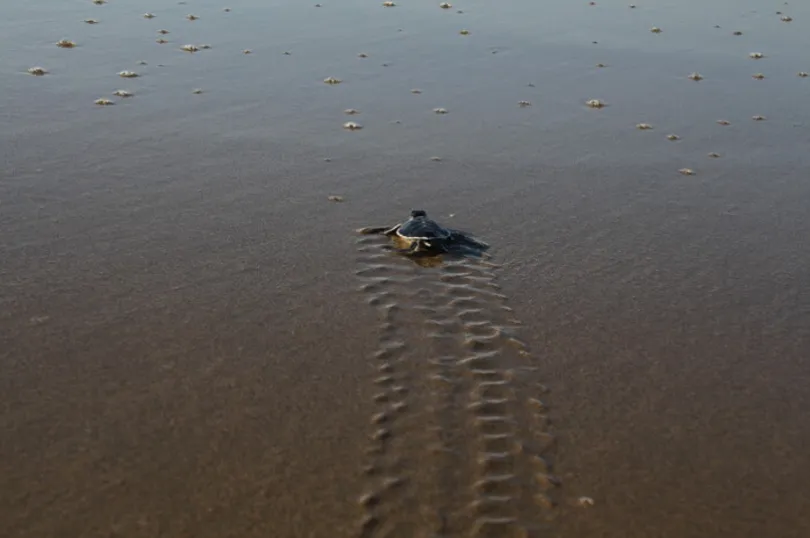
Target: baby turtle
{"points": [[421, 235]]}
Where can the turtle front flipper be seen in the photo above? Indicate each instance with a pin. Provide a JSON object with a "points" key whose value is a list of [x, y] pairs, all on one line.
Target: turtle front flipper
{"points": [[467, 240], [392, 230], [372, 230], [413, 249], [475, 243]]}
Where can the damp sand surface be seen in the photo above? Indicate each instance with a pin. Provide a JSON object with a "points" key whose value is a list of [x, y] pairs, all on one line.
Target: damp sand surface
{"points": [[193, 341]]}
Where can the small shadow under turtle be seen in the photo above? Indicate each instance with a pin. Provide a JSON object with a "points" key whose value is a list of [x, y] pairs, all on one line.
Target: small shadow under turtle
{"points": [[431, 259]]}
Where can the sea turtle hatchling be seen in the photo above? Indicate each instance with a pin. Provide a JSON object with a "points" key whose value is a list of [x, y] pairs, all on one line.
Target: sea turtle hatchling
{"points": [[421, 235]]}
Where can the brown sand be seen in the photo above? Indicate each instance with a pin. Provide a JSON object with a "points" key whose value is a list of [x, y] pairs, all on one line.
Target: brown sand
{"points": [[194, 343]]}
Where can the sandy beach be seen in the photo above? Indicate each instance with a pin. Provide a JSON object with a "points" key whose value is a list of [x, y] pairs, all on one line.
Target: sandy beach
{"points": [[195, 342]]}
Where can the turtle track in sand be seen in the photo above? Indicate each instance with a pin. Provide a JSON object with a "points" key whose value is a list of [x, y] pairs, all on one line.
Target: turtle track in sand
{"points": [[468, 448]]}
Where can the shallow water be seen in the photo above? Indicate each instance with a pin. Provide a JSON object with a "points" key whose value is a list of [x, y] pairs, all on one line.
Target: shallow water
{"points": [[183, 346]]}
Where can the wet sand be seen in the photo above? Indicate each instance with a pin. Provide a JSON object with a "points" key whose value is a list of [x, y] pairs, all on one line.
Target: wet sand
{"points": [[193, 341]]}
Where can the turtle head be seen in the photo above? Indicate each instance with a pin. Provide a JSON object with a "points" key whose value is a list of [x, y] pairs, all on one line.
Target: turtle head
{"points": [[418, 213]]}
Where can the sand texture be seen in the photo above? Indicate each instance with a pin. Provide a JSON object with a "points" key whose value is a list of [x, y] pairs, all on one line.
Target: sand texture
{"points": [[195, 342]]}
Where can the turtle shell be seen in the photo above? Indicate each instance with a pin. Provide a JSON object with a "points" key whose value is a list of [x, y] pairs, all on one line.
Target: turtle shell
{"points": [[422, 227]]}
